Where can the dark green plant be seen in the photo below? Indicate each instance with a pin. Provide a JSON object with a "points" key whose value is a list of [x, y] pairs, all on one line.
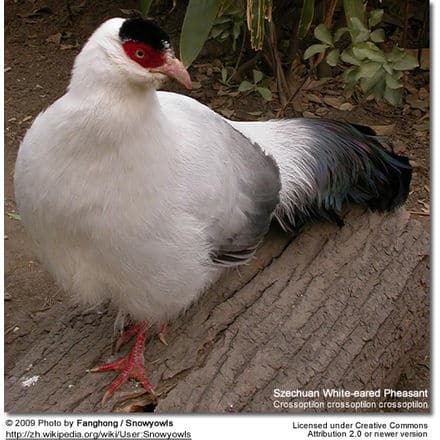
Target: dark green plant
{"points": [[361, 56], [307, 13], [144, 7], [229, 22], [197, 24], [226, 74], [377, 72], [258, 85]]}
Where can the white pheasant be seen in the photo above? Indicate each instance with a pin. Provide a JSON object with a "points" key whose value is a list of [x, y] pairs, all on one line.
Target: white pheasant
{"points": [[143, 197]]}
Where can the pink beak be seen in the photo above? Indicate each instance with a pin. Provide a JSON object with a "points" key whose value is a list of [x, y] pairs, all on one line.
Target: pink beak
{"points": [[174, 68]]}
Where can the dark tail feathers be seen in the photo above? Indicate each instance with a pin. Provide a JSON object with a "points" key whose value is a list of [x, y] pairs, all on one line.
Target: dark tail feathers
{"points": [[357, 169], [391, 174], [393, 192]]}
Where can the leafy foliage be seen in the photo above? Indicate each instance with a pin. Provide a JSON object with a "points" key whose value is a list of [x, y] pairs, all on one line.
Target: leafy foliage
{"points": [[365, 64], [229, 22], [355, 48], [258, 85]]}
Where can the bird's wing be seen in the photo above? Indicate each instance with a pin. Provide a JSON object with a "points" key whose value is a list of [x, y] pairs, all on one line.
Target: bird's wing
{"points": [[234, 184], [256, 198]]}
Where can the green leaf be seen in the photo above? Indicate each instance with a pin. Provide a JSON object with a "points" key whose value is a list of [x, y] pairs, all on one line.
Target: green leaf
{"points": [[370, 51], [353, 8], [265, 93], [333, 57], [224, 74], [350, 73], [393, 96], [348, 57], [395, 54], [375, 17], [406, 62], [258, 76], [387, 68], [216, 31], [235, 8], [226, 34], [222, 20], [245, 86], [359, 33], [378, 36], [360, 37], [393, 82], [198, 22], [357, 25], [144, 7], [236, 30], [378, 89], [358, 53], [368, 83], [323, 34], [307, 12], [368, 70], [350, 77], [339, 32], [314, 49]]}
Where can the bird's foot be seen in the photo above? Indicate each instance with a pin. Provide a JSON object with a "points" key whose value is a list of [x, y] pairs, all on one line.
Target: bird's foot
{"points": [[134, 329], [129, 333], [131, 365]]}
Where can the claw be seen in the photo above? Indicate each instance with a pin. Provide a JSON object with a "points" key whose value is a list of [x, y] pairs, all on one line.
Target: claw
{"points": [[161, 337], [131, 365], [161, 333], [106, 397]]}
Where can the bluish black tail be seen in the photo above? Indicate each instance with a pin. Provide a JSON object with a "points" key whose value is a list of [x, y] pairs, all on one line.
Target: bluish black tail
{"points": [[392, 180], [354, 167], [325, 165]]}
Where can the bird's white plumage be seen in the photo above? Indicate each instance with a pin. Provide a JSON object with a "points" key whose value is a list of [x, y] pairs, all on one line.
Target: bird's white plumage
{"points": [[122, 189], [290, 142], [141, 197]]}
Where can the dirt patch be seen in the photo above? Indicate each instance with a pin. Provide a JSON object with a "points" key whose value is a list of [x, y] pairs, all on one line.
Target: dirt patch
{"points": [[42, 39]]}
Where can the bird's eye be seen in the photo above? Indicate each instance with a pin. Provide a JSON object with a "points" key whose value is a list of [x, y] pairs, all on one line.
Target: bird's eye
{"points": [[139, 53]]}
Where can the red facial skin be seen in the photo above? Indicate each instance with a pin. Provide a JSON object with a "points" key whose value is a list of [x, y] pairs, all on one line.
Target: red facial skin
{"points": [[143, 54], [158, 62]]}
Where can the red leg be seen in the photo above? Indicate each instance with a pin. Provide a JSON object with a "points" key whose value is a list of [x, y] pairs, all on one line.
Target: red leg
{"points": [[128, 334], [131, 365]]}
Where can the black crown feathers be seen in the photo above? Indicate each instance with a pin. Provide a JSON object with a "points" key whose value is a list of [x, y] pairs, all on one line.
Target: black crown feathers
{"points": [[145, 31]]}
